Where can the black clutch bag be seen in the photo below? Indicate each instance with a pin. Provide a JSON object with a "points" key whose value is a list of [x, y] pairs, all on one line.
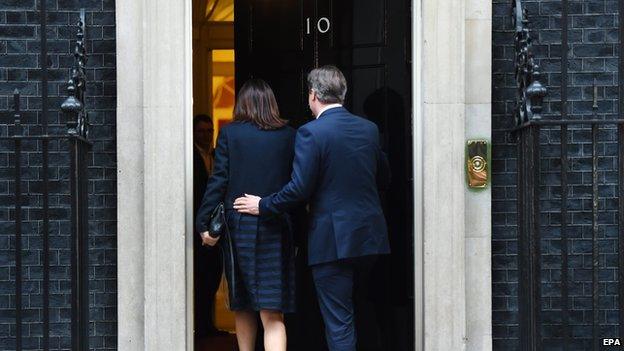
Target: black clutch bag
{"points": [[217, 224]]}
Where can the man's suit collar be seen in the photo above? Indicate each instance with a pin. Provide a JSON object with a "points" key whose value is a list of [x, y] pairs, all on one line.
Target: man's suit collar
{"points": [[331, 110]]}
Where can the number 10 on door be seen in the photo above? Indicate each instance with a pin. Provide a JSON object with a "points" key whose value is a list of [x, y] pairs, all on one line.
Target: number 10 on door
{"points": [[322, 25]]}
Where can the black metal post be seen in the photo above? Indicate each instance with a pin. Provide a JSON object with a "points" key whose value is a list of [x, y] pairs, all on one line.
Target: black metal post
{"points": [[523, 295], [595, 253], [621, 169], [43, 57], [79, 255], [529, 100], [621, 222], [529, 238], [46, 247], [74, 108], [564, 237], [75, 330], [18, 223], [84, 239], [535, 238], [564, 60], [564, 176]]}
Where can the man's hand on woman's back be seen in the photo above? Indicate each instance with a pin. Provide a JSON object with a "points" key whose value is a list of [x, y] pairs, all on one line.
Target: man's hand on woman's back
{"points": [[249, 204]]}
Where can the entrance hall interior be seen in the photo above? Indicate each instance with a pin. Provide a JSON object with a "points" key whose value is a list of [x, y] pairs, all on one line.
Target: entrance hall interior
{"points": [[280, 41], [213, 96]]}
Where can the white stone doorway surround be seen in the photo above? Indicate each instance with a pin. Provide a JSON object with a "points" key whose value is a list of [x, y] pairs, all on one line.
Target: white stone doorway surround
{"points": [[451, 103]]}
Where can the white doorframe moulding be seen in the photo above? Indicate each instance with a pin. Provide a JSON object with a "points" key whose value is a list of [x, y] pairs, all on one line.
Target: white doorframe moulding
{"points": [[154, 152], [153, 147]]}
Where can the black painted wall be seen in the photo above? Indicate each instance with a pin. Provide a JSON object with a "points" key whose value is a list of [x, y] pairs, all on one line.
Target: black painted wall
{"points": [[593, 56], [20, 68]]}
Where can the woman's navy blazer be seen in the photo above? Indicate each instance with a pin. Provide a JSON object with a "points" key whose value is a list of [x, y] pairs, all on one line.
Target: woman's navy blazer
{"points": [[248, 160]]}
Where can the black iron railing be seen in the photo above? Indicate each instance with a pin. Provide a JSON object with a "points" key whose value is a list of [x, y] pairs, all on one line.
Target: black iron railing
{"points": [[550, 151], [532, 221], [77, 147]]}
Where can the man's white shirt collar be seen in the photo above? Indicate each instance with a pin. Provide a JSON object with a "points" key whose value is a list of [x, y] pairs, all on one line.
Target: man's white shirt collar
{"points": [[330, 106]]}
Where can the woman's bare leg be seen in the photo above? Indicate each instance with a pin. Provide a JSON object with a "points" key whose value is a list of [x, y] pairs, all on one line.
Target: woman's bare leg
{"points": [[274, 330], [246, 330]]}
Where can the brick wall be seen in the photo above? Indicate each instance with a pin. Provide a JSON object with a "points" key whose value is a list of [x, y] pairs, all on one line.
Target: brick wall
{"points": [[20, 68], [593, 49]]}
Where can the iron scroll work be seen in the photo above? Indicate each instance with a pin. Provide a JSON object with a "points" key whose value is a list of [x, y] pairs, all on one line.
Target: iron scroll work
{"points": [[74, 105], [532, 132], [530, 92], [78, 147]]}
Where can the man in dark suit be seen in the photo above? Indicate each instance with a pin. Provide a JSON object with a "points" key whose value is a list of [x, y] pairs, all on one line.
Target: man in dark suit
{"points": [[338, 167], [207, 260]]}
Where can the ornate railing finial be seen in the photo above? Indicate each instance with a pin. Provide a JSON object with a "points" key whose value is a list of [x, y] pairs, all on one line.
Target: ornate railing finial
{"points": [[74, 105], [529, 91]]}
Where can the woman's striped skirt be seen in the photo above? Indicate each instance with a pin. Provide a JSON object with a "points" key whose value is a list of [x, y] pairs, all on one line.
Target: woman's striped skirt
{"points": [[261, 271]]}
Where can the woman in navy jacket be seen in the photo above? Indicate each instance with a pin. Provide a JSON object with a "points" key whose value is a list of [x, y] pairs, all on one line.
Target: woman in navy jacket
{"points": [[254, 155]]}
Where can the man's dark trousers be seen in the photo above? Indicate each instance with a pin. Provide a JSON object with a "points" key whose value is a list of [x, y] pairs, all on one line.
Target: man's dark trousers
{"points": [[334, 283]]}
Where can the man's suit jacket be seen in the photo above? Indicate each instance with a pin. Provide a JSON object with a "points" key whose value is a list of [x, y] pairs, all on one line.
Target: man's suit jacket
{"points": [[338, 168], [200, 177]]}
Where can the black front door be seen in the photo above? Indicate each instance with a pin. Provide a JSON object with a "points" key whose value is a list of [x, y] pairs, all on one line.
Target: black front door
{"points": [[270, 43], [369, 40]]}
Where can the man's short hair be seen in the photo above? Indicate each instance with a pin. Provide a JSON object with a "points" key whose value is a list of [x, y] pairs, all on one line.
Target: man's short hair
{"points": [[201, 118], [329, 84]]}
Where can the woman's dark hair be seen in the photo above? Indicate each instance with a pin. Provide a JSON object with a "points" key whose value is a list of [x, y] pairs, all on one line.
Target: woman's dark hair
{"points": [[256, 103]]}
